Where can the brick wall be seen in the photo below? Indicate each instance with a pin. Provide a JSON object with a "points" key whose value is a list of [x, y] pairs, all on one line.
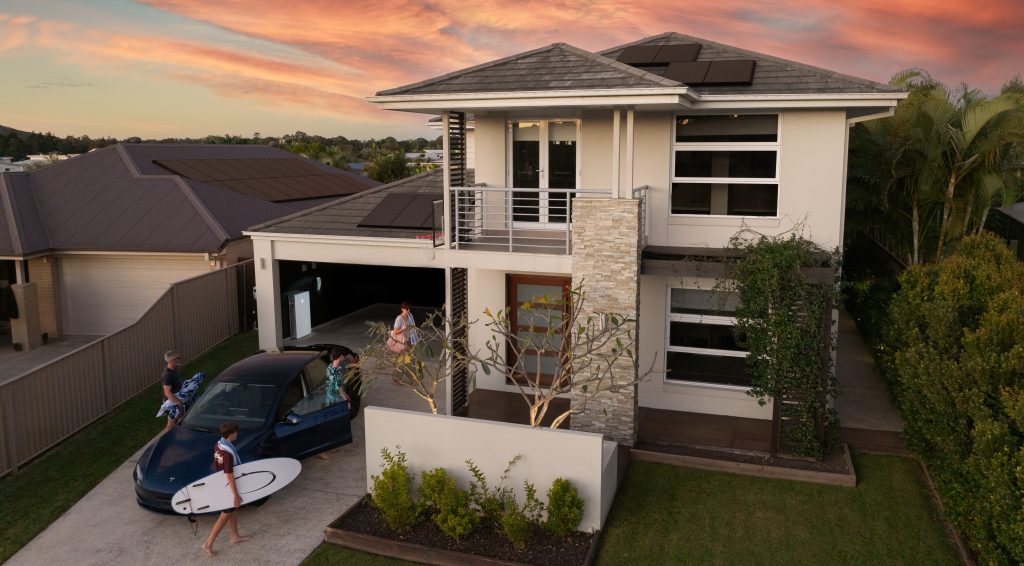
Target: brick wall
{"points": [[606, 259], [44, 275]]}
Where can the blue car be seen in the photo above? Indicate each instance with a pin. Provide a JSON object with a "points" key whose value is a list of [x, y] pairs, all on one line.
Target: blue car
{"points": [[280, 405]]}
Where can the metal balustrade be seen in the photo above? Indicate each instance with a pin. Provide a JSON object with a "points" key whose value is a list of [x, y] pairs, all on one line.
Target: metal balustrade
{"points": [[516, 219]]}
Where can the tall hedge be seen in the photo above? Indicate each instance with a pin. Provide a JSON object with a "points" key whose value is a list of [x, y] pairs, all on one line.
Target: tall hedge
{"points": [[956, 331]]}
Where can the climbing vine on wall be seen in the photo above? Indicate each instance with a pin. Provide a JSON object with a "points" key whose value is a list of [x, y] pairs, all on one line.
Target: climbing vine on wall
{"points": [[784, 321]]}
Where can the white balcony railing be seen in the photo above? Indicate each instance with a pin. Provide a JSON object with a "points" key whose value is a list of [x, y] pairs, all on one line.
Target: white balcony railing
{"points": [[517, 220]]}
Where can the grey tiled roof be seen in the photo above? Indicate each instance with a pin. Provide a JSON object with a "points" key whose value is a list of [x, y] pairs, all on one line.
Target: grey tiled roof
{"points": [[556, 67], [341, 217], [772, 75], [564, 67], [100, 202]]}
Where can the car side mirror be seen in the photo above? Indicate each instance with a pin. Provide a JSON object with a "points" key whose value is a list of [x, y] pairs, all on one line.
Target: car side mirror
{"points": [[292, 419]]}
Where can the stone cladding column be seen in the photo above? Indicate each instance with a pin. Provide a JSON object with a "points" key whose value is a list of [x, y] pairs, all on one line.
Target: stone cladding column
{"points": [[606, 260]]}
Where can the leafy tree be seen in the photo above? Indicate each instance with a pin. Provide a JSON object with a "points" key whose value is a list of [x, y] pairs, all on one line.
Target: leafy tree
{"points": [[957, 363], [931, 173]]}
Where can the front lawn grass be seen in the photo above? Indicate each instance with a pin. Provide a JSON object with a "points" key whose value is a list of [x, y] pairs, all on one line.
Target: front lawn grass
{"points": [[668, 515], [42, 491]]}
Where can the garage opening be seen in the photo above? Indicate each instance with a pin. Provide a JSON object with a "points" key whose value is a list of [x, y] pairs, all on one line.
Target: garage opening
{"points": [[315, 293]]}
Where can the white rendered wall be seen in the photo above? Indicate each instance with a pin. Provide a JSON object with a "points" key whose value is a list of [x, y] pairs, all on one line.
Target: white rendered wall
{"points": [[656, 392], [429, 441], [811, 178], [489, 149]]}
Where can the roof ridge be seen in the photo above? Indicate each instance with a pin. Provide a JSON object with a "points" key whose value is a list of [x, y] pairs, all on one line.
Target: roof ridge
{"points": [[204, 212], [129, 162], [326, 205], [640, 73], [461, 72], [773, 58]]}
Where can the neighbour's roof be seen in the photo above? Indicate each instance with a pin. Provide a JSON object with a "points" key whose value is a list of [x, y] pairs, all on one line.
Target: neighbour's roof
{"points": [[1014, 211], [564, 67], [342, 217], [119, 199]]}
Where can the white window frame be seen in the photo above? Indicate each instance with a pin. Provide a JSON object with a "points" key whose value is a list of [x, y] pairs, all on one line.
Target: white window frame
{"points": [[716, 320], [775, 146]]}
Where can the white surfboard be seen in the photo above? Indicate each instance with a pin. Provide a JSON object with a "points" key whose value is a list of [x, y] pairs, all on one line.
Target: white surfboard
{"points": [[254, 480]]}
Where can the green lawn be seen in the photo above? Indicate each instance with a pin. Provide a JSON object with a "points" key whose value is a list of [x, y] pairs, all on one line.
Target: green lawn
{"points": [[669, 515], [40, 492]]}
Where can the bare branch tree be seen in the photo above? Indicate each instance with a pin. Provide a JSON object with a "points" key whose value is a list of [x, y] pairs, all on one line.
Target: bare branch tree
{"points": [[421, 367], [590, 351]]}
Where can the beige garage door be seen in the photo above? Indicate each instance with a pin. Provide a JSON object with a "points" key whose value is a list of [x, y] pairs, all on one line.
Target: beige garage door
{"points": [[103, 294]]}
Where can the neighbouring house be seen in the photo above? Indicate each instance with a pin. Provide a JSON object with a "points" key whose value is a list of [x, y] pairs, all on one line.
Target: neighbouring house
{"points": [[6, 165], [1008, 223], [97, 238], [627, 169]]}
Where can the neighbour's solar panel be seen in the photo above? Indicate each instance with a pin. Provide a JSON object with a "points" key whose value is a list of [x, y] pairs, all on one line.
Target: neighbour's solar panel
{"points": [[690, 73], [730, 73], [409, 211]]}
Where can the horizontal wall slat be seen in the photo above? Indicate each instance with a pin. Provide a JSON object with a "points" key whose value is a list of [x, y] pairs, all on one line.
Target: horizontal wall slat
{"points": [[40, 408]]}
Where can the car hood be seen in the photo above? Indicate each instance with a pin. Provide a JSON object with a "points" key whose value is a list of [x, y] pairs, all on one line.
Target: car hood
{"points": [[183, 454]]}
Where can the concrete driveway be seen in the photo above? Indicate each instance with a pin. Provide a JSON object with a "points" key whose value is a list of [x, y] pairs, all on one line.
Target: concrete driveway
{"points": [[107, 527]]}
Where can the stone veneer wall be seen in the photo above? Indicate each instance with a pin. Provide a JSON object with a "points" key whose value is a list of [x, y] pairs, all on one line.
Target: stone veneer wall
{"points": [[606, 259], [43, 272]]}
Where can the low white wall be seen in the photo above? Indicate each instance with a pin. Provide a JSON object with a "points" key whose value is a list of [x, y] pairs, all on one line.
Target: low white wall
{"points": [[431, 441]]}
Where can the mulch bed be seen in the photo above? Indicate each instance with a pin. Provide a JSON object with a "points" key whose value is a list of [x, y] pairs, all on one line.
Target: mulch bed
{"points": [[542, 547], [833, 463]]}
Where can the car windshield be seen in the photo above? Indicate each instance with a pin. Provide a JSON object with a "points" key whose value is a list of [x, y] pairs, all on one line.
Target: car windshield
{"points": [[248, 404]]}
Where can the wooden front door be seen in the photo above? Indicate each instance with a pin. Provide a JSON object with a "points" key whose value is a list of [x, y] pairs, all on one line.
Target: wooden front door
{"points": [[538, 308]]}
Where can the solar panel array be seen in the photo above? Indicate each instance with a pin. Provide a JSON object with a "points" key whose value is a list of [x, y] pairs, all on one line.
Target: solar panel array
{"points": [[272, 180], [410, 211], [679, 63]]}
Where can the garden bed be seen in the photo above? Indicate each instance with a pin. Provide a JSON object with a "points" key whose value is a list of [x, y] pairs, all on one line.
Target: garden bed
{"points": [[361, 528]]}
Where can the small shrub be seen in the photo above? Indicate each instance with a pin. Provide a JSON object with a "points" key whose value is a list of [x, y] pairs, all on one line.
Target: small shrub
{"points": [[514, 524], [489, 502], [392, 492], [518, 522], [448, 505], [565, 508], [432, 488]]}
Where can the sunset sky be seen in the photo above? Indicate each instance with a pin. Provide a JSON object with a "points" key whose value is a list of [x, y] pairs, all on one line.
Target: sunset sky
{"points": [[177, 68]]}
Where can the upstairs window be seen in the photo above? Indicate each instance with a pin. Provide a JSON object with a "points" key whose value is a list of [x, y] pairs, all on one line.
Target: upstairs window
{"points": [[726, 165]]}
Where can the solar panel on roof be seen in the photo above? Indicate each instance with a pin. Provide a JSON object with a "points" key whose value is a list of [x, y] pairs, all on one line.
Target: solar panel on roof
{"points": [[410, 211], [639, 54], [680, 52], [730, 73], [690, 73]]}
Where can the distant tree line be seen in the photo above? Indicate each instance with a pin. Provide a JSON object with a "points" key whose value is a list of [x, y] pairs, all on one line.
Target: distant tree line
{"points": [[385, 157]]}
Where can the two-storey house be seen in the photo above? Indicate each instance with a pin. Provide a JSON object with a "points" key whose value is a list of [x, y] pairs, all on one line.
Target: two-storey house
{"points": [[629, 170]]}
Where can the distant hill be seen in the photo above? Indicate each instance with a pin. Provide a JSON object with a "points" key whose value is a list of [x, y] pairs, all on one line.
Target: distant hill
{"points": [[4, 131]]}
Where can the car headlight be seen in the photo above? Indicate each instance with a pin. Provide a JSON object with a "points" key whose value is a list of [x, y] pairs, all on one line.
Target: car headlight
{"points": [[138, 473]]}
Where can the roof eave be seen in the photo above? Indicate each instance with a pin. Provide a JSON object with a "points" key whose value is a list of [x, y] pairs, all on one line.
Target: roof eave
{"points": [[680, 96], [782, 101]]}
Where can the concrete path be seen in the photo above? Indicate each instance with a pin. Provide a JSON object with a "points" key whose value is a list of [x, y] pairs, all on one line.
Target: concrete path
{"points": [[13, 364], [869, 419], [107, 526]]}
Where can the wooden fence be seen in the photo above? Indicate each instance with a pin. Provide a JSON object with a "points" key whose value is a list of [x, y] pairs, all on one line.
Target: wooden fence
{"points": [[41, 408]]}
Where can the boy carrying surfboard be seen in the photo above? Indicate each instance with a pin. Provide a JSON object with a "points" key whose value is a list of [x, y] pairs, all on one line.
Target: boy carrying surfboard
{"points": [[225, 458]]}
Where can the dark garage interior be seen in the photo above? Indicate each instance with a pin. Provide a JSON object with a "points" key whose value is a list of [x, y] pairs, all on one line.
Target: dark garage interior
{"points": [[339, 289]]}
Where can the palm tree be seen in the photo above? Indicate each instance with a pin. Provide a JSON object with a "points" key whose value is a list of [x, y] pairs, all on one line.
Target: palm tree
{"points": [[941, 161]]}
